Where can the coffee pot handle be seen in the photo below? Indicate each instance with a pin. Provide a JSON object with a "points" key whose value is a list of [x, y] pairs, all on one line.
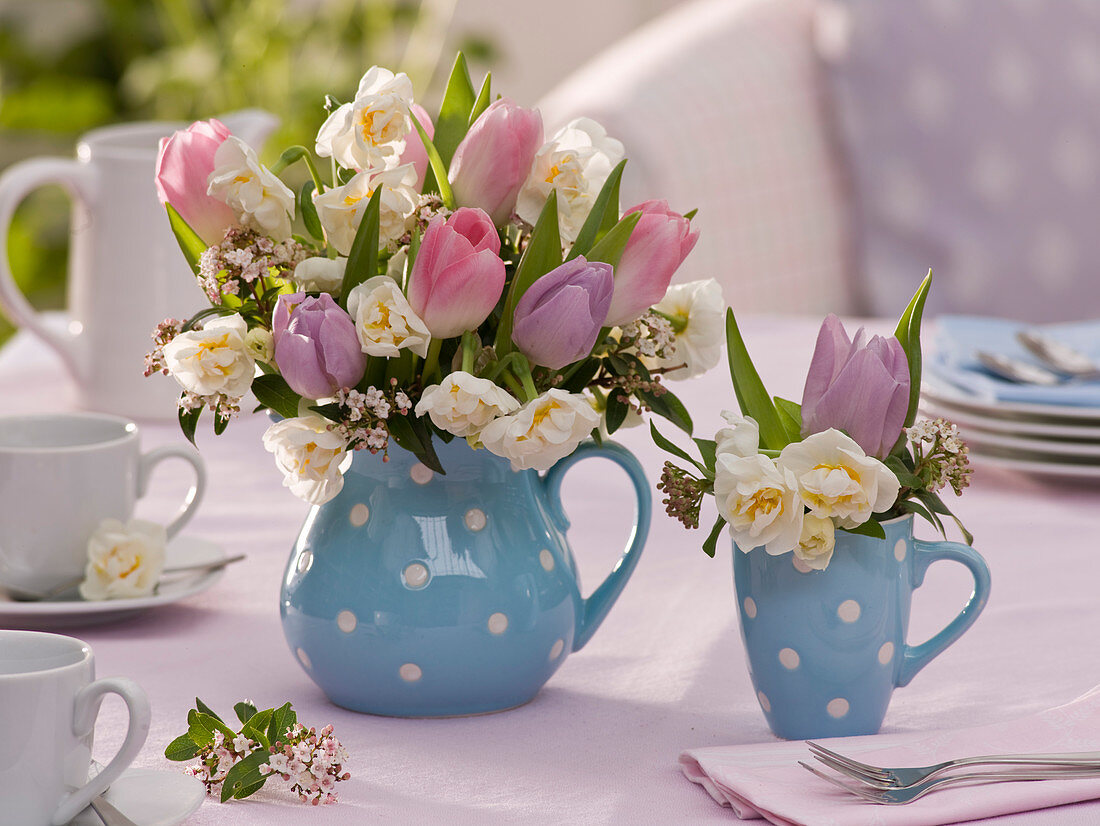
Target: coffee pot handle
{"points": [[916, 657], [87, 703], [15, 184], [595, 608]]}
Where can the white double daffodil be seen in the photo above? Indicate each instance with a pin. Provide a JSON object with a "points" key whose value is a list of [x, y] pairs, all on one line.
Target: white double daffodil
{"points": [[370, 131], [215, 359], [837, 480], [384, 321], [543, 431], [341, 209], [463, 404], [124, 560], [255, 194], [312, 457]]}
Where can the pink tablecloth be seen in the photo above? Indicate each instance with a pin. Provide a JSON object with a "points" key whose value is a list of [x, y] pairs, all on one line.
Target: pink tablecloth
{"points": [[665, 672]]}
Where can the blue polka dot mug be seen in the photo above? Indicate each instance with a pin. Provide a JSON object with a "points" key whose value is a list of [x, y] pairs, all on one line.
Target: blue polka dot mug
{"points": [[827, 648], [415, 594]]}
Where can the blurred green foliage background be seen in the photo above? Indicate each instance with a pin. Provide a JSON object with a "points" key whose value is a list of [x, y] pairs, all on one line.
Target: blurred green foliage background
{"points": [[67, 66]]}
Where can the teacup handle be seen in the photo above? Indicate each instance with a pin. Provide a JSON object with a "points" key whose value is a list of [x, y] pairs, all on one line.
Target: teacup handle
{"points": [[194, 495], [595, 608], [15, 184], [916, 657], [86, 709]]}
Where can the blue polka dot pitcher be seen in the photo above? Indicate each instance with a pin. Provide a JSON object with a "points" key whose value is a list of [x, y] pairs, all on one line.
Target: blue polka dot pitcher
{"points": [[415, 594], [827, 648]]}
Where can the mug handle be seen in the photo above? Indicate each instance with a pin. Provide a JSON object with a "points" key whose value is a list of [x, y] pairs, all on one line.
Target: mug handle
{"points": [[194, 495], [595, 608], [87, 703], [15, 184], [916, 657]]}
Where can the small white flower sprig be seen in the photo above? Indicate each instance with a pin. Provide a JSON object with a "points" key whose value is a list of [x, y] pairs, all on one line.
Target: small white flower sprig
{"points": [[788, 476], [271, 743]]}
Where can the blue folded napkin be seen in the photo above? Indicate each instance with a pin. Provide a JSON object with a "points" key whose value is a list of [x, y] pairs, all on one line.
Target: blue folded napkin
{"points": [[957, 337]]}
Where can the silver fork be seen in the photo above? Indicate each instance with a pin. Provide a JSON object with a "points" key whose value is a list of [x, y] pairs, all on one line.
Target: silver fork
{"points": [[899, 777], [901, 796]]}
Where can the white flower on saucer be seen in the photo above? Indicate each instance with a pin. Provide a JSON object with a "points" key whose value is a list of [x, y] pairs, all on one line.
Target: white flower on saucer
{"points": [[215, 359], [260, 200], [312, 457], [371, 130], [741, 438], [697, 311], [124, 560], [837, 479], [760, 502], [341, 209], [320, 274], [574, 163], [384, 321], [815, 546], [543, 431], [463, 404]]}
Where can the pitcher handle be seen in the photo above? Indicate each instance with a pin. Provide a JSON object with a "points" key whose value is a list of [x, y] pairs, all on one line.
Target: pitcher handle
{"points": [[916, 657], [595, 608], [15, 184]]}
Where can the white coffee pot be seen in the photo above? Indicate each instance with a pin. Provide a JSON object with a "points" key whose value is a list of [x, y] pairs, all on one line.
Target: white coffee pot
{"points": [[126, 271]]}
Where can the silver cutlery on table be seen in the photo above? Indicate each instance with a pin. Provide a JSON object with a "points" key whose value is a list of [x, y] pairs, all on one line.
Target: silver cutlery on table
{"points": [[903, 784], [1021, 372], [198, 568], [1059, 356]]}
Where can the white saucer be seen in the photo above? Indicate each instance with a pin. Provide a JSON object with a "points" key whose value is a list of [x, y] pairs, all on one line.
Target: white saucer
{"points": [[183, 550], [150, 798]]}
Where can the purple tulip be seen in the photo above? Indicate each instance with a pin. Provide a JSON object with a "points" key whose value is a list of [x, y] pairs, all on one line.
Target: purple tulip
{"points": [[458, 275], [415, 153], [660, 242], [860, 387], [492, 162], [184, 162], [558, 318], [316, 348]]}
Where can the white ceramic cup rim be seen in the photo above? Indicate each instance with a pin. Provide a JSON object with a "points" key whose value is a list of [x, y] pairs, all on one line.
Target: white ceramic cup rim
{"points": [[127, 431], [80, 655]]}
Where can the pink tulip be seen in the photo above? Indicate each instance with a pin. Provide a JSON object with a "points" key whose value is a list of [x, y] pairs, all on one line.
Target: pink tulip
{"points": [[316, 347], [458, 275], [559, 317], [184, 163], [415, 153], [660, 242], [492, 162], [860, 387]]}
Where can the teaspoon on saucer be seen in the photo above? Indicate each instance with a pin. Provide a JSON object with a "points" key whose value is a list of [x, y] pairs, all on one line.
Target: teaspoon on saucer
{"points": [[200, 568]]}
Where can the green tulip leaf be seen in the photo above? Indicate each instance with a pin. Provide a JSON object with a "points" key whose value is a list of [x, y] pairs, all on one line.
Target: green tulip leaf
{"points": [[308, 211], [752, 396], [603, 215], [451, 125], [908, 333], [790, 416], [609, 249], [484, 98], [438, 167], [363, 257], [711, 542], [190, 243]]}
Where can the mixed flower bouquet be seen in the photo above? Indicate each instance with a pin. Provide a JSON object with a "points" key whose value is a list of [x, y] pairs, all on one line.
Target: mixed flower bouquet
{"points": [[456, 277], [787, 476]]}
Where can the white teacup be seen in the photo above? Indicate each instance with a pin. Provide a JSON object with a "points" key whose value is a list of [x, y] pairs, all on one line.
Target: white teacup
{"points": [[49, 700], [60, 476]]}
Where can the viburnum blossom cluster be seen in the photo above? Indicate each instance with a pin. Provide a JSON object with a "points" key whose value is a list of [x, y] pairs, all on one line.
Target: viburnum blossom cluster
{"points": [[270, 744], [787, 476], [468, 276]]}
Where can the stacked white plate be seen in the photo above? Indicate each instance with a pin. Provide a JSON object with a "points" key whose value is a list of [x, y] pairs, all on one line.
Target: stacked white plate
{"points": [[1038, 438]]}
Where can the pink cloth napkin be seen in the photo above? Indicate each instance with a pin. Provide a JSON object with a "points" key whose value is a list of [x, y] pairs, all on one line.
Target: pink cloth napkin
{"points": [[765, 780]]}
